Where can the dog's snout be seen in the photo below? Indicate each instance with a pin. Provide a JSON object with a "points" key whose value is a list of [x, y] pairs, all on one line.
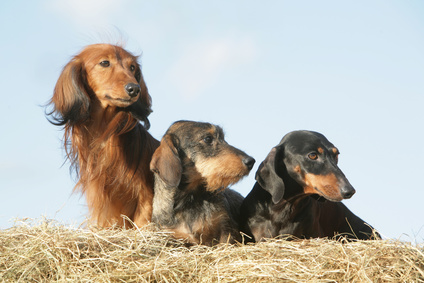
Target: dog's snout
{"points": [[132, 89], [249, 162], [347, 192]]}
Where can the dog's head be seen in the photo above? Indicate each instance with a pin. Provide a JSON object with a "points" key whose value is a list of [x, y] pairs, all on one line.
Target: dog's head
{"points": [[101, 76], [310, 160], [195, 154]]}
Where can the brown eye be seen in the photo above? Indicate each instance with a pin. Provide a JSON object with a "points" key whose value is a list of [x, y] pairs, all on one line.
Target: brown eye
{"points": [[132, 68], [208, 139], [313, 156], [105, 64]]}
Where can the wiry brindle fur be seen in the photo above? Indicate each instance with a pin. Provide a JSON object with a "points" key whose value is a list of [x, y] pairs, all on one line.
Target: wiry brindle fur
{"points": [[193, 168], [100, 99], [298, 192]]}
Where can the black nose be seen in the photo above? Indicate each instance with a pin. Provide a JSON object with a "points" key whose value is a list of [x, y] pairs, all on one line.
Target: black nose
{"points": [[249, 162], [347, 192], [132, 89]]}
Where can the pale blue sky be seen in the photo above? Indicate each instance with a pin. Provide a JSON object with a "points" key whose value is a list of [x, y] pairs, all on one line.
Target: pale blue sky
{"points": [[352, 70]]}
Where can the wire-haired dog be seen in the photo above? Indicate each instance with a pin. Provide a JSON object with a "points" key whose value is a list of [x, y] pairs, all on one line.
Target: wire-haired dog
{"points": [[99, 98], [193, 167], [298, 192]]}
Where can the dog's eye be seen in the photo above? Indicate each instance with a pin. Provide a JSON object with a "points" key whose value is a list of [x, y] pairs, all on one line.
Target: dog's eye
{"points": [[313, 156], [105, 63], [208, 139], [132, 68]]}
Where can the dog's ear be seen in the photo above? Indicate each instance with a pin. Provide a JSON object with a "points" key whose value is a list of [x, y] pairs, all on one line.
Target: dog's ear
{"points": [[71, 101], [141, 109], [267, 176], [166, 162]]}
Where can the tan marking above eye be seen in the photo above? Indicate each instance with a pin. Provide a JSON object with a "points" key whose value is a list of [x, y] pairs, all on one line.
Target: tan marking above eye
{"points": [[297, 169], [320, 150]]}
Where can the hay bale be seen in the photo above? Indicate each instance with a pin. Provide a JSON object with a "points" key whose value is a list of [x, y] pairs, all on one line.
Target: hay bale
{"points": [[48, 251]]}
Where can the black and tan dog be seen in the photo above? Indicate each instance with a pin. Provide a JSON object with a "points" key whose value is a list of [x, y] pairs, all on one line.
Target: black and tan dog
{"points": [[193, 168], [298, 192]]}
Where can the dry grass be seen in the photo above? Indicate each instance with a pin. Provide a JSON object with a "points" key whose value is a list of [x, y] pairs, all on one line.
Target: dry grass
{"points": [[47, 251]]}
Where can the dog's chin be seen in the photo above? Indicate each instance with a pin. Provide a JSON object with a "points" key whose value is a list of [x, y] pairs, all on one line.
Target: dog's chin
{"points": [[319, 195], [121, 102], [223, 183], [140, 112], [331, 198]]}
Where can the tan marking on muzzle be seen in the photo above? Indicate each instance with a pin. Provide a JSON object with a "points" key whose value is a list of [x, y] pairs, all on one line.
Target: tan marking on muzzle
{"points": [[323, 185], [221, 171]]}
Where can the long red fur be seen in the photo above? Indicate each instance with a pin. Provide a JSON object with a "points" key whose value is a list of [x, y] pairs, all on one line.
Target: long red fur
{"points": [[106, 144]]}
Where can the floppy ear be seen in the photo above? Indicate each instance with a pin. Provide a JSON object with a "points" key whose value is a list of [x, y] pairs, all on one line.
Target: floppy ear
{"points": [[166, 162], [267, 177], [71, 101], [141, 109]]}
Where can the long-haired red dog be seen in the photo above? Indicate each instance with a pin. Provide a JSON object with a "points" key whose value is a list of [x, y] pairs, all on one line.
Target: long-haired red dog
{"points": [[99, 98]]}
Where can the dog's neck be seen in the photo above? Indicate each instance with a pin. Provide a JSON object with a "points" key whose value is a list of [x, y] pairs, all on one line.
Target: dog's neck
{"points": [[296, 203], [169, 200], [109, 119], [191, 179], [293, 190], [114, 136], [101, 130]]}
